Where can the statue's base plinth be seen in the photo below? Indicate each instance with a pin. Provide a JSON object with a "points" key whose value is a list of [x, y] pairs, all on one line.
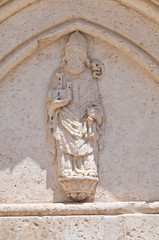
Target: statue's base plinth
{"points": [[79, 188]]}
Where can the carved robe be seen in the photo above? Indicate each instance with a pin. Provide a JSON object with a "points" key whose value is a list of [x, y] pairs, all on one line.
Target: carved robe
{"points": [[69, 125]]}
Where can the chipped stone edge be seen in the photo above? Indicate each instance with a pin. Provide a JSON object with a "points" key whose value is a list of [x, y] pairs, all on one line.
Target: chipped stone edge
{"points": [[66, 209]]}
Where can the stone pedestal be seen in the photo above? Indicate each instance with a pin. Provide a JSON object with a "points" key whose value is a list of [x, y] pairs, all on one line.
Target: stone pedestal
{"points": [[78, 188]]}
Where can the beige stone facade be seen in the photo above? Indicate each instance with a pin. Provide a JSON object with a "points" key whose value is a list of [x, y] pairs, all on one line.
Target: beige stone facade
{"points": [[115, 97]]}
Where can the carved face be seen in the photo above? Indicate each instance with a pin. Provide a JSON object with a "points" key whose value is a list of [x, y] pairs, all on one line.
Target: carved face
{"points": [[75, 58]]}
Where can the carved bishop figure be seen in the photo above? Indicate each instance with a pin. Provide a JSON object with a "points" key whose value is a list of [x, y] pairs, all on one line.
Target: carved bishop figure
{"points": [[75, 119]]}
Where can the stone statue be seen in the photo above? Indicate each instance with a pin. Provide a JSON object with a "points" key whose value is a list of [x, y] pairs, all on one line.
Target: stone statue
{"points": [[75, 119]]}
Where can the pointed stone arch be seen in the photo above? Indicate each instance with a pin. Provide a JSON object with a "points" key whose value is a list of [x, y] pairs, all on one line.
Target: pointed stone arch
{"points": [[131, 49]]}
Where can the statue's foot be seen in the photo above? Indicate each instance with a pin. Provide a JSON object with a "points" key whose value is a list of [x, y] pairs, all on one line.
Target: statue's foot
{"points": [[91, 173], [66, 173]]}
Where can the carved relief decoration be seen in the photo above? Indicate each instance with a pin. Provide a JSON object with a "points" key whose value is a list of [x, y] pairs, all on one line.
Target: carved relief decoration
{"points": [[75, 119]]}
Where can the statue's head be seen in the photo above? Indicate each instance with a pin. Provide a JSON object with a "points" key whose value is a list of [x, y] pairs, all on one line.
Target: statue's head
{"points": [[76, 58]]}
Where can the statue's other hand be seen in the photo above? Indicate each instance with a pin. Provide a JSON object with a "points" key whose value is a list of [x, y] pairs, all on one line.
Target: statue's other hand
{"points": [[91, 113], [95, 114]]}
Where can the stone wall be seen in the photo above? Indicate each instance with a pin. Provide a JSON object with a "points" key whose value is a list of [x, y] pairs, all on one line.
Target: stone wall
{"points": [[123, 35]]}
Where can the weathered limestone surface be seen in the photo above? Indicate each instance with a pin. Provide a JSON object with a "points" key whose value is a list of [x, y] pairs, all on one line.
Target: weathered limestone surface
{"points": [[127, 167], [126, 227], [123, 35]]}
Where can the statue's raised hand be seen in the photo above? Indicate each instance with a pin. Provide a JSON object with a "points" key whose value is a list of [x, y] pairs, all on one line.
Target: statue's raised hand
{"points": [[97, 69]]}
